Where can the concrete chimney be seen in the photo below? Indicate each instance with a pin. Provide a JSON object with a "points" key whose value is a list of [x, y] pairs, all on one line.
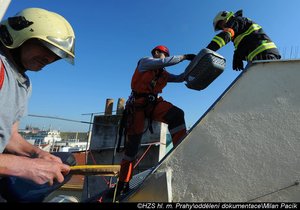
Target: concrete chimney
{"points": [[120, 106], [109, 106]]}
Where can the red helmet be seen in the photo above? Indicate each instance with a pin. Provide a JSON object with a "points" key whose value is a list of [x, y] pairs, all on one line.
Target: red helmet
{"points": [[162, 49]]}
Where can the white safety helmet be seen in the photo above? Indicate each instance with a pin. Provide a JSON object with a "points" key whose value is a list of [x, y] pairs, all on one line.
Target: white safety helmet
{"points": [[53, 30], [223, 15]]}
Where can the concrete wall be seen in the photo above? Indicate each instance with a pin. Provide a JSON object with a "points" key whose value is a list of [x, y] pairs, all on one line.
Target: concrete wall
{"points": [[105, 131], [246, 147]]}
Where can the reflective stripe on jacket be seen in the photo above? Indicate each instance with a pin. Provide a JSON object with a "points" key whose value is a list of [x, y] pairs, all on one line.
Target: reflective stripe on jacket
{"points": [[251, 29], [264, 46]]}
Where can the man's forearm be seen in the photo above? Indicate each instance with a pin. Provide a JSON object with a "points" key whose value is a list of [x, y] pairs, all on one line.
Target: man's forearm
{"points": [[19, 146], [10, 165]]}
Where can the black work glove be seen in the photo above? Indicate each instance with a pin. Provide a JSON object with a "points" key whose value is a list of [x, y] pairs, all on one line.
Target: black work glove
{"points": [[189, 57], [237, 63]]}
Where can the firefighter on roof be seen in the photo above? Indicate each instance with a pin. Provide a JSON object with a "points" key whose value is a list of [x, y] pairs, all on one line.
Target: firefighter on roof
{"points": [[249, 39]]}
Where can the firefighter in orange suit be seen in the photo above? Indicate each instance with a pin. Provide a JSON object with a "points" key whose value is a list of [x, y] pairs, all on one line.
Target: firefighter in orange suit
{"points": [[149, 79], [249, 39]]}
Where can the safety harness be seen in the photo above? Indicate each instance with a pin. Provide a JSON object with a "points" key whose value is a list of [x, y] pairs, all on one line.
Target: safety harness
{"points": [[151, 99]]}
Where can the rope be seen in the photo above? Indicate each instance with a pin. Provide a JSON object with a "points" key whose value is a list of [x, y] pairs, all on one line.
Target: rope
{"points": [[139, 160], [65, 119], [94, 161], [294, 184]]}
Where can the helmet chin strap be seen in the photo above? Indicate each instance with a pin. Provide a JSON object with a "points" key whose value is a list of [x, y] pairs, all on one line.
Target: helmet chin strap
{"points": [[16, 57], [5, 36]]}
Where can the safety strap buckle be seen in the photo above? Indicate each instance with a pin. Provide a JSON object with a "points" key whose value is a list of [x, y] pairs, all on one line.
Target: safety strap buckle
{"points": [[151, 98]]}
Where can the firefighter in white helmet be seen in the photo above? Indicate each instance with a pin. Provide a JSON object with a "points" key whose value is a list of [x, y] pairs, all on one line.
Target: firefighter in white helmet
{"points": [[250, 41], [30, 40]]}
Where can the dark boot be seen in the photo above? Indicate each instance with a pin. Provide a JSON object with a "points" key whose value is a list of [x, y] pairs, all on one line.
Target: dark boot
{"points": [[122, 188]]}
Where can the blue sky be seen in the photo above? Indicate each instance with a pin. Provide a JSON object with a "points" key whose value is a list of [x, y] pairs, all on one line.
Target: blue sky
{"points": [[112, 35]]}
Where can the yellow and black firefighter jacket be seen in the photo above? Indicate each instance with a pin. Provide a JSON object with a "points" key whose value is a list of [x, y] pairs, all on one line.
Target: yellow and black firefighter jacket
{"points": [[249, 39]]}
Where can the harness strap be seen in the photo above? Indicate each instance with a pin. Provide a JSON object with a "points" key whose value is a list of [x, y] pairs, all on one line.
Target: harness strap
{"points": [[150, 120], [155, 79], [122, 131], [150, 100], [143, 95]]}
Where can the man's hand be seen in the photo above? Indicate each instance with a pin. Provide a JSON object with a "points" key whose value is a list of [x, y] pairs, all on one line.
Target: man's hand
{"points": [[38, 170], [189, 57], [47, 156], [46, 171]]}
